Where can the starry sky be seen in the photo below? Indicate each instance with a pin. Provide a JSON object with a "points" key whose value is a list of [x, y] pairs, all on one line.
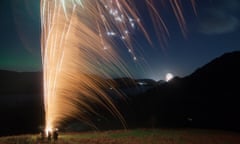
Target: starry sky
{"points": [[214, 31]]}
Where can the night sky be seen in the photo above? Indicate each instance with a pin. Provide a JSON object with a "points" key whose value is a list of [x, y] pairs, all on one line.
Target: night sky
{"points": [[214, 31]]}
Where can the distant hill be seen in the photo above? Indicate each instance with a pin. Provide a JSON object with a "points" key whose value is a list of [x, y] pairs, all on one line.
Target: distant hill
{"points": [[21, 106], [208, 98], [213, 93], [20, 82]]}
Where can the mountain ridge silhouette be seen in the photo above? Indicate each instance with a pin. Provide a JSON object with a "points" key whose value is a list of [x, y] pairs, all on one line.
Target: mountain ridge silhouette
{"points": [[207, 98]]}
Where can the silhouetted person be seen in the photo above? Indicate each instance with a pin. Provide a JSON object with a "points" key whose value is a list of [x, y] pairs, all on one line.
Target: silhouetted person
{"points": [[55, 135], [42, 135], [49, 136]]}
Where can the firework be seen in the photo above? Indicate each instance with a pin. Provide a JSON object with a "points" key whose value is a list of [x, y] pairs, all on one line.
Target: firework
{"points": [[78, 47]]}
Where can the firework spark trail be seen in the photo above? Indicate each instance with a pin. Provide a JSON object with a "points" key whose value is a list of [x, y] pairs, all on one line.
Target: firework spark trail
{"points": [[77, 48], [176, 6], [72, 57]]}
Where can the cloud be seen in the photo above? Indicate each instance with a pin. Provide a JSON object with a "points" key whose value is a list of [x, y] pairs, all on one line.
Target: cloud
{"points": [[218, 21]]}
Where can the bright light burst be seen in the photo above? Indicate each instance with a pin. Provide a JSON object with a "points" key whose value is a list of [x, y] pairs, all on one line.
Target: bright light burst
{"points": [[169, 76], [78, 48]]}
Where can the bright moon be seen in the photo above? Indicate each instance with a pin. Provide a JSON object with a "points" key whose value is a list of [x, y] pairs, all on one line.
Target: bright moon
{"points": [[168, 77]]}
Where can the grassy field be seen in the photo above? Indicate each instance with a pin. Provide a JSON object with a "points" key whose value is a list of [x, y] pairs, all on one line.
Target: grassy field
{"points": [[138, 136]]}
